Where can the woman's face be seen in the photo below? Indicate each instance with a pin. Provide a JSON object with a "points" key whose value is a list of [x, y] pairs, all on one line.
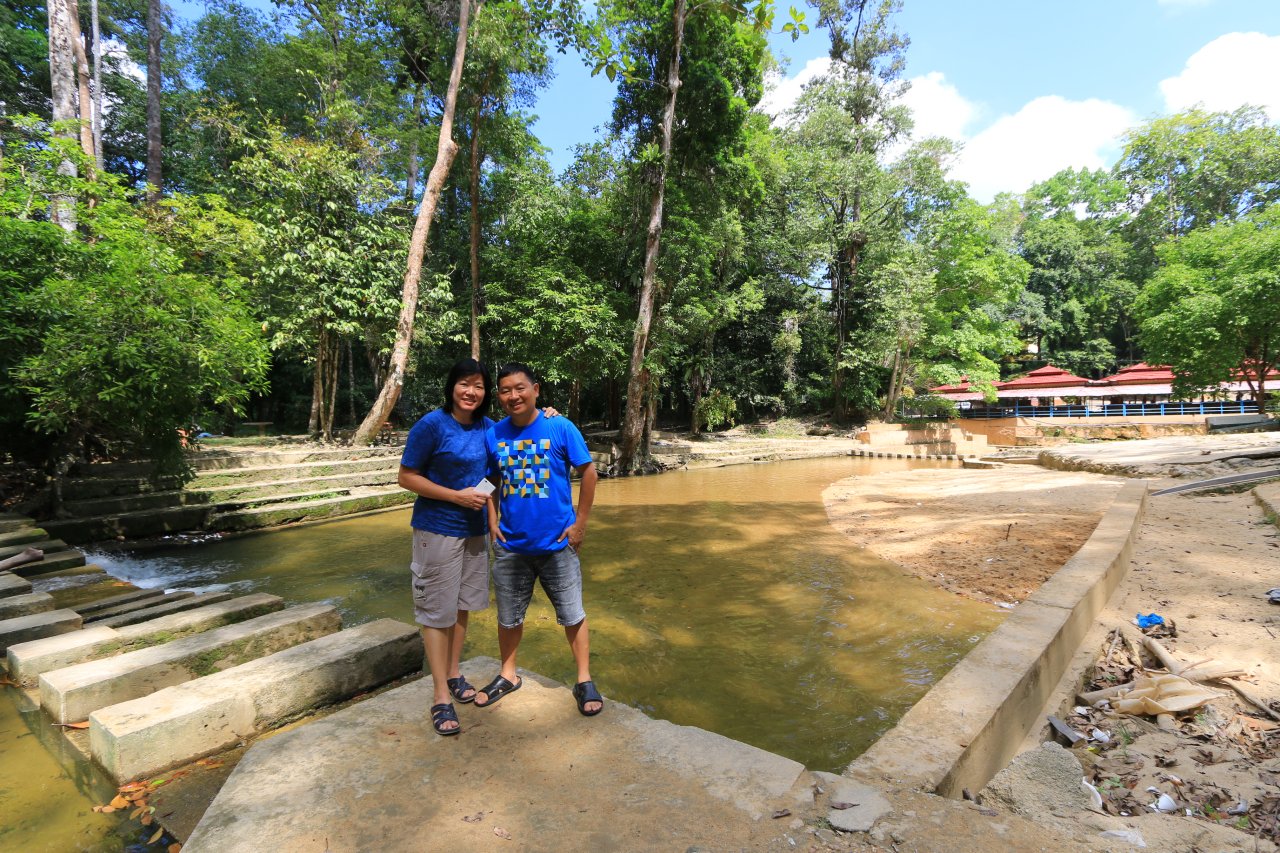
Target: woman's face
{"points": [[468, 394]]}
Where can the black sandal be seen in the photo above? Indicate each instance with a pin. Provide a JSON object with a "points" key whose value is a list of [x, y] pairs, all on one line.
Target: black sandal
{"points": [[496, 689], [441, 714], [458, 686], [584, 692]]}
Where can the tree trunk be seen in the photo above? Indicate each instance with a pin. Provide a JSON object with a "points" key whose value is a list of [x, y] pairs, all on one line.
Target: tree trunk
{"points": [[96, 32], [63, 90], [85, 99], [634, 449], [476, 160], [575, 400], [334, 361], [351, 386], [411, 183], [445, 153], [155, 176], [317, 388]]}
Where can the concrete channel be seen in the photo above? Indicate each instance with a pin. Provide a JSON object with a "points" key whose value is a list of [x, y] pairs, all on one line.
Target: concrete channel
{"points": [[170, 689]]}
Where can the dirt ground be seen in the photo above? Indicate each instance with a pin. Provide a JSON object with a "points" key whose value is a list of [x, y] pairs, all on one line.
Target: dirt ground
{"points": [[1203, 562], [994, 535]]}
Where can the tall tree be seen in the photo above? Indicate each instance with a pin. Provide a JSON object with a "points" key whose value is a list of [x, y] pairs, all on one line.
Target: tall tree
{"points": [[62, 74], [155, 143], [446, 150]]}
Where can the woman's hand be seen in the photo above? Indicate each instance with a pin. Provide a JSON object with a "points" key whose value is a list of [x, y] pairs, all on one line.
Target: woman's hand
{"points": [[550, 412], [470, 499]]}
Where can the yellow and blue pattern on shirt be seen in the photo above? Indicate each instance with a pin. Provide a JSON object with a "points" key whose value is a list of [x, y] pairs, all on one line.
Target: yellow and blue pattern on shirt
{"points": [[526, 467]]}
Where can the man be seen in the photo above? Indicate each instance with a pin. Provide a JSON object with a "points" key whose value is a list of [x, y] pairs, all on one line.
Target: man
{"points": [[539, 534]]}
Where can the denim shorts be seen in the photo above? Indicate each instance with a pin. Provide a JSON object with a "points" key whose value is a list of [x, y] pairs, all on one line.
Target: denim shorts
{"points": [[560, 574]]}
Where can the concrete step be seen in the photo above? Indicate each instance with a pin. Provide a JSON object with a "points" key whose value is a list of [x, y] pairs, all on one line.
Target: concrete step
{"points": [[52, 562], [11, 521], [23, 536], [49, 546], [360, 501], [25, 605], [97, 605], [72, 693], [179, 724], [27, 661], [130, 525], [163, 608], [133, 604], [76, 489], [67, 578], [272, 473], [47, 624], [117, 504], [11, 584], [257, 490]]}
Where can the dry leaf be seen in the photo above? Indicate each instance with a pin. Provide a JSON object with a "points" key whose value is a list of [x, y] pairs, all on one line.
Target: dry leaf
{"points": [[501, 833], [474, 818], [146, 819], [842, 806], [6, 681], [136, 812], [81, 725], [782, 813], [106, 809], [153, 839], [119, 802], [175, 848]]}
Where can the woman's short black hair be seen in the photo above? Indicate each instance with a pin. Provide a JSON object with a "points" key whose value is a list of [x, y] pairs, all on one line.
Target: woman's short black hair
{"points": [[461, 369]]}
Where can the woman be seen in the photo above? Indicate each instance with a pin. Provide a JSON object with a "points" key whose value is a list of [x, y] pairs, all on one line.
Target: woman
{"points": [[444, 460]]}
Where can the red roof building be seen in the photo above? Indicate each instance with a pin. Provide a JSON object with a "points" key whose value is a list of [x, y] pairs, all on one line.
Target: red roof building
{"points": [[1047, 381]]}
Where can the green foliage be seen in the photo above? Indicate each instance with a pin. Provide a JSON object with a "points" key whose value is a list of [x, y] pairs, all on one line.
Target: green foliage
{"points": [[118, 334], [1211, 309], [715, 409]]}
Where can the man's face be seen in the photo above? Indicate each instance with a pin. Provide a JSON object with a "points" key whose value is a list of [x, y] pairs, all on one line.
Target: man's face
{"points": [[517, 394]]}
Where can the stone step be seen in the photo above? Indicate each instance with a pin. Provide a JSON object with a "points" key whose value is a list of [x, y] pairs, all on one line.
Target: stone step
{"points": [[27, 661], [97, 605], [11, 521], [67, 578], [163, 608], [214, 479], [49, 546], [179, 724], [270, 516], [11, 584], [72, 693], [257, 490], [47, 624], [133, 604], [22, 536], [223, 460], [130, 525], [117, 504], [77, 489], [55, 562], [25, 605]]}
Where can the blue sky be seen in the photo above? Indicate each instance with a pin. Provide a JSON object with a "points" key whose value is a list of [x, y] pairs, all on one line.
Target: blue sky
{"points": [[1028, 87]]}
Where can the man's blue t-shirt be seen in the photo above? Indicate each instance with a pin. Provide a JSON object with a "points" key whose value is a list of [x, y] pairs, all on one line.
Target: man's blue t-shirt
{"points": [[452, 455], [537, 500]]}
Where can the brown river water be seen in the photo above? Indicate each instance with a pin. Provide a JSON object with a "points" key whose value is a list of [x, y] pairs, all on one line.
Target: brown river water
{"points": [[718, 598]]}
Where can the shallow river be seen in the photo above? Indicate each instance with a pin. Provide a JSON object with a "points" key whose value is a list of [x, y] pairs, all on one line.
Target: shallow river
{"points": [[718, 598]]}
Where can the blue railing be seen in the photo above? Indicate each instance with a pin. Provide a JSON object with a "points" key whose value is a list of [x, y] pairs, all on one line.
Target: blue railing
{"points": [[1110, 410]]}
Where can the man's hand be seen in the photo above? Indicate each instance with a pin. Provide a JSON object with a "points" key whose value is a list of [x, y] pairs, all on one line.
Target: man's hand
{"points": [[575, 533], [469, 498]]}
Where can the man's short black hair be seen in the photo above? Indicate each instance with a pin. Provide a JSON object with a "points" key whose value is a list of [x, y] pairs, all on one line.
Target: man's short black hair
{"points": [[513, 367], [461, 369]]}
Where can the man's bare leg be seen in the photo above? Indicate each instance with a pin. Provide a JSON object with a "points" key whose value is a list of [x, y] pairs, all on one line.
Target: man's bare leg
{"points": [[580, 644], [508, 642]]}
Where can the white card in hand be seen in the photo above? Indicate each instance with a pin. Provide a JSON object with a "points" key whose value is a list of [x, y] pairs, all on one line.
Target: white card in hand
{"points": [[484, 487]]}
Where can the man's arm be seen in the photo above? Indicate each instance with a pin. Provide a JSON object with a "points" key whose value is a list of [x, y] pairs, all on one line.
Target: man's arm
{"points": [[467, 498], [586, 497]]}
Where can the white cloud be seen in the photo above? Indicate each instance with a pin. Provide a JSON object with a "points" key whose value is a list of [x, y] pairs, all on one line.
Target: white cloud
{"points": [[1231, 70], [782, 93], [938, 108], [1047, 135]]}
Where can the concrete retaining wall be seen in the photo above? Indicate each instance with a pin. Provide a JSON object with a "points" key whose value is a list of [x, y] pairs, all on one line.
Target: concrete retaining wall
{"points": [[972, 722]]}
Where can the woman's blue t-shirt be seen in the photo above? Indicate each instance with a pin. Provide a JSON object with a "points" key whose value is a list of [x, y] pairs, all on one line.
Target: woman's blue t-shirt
{"points": [[452, 455]]}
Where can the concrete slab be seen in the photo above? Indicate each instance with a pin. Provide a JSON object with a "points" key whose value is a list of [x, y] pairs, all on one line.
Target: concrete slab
{"points": [[23, 628], [27, 661], [57, 561], [165, 608], [72, 693], [11, 584], [23, 536], [25, 605], [98, 605], [136, 604], [10, 522], [375, 777], [860, 805], [179, 724], [49, 546]]}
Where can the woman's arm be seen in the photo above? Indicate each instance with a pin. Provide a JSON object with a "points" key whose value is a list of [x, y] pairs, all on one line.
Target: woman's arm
{"points": [[415, 482]]}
